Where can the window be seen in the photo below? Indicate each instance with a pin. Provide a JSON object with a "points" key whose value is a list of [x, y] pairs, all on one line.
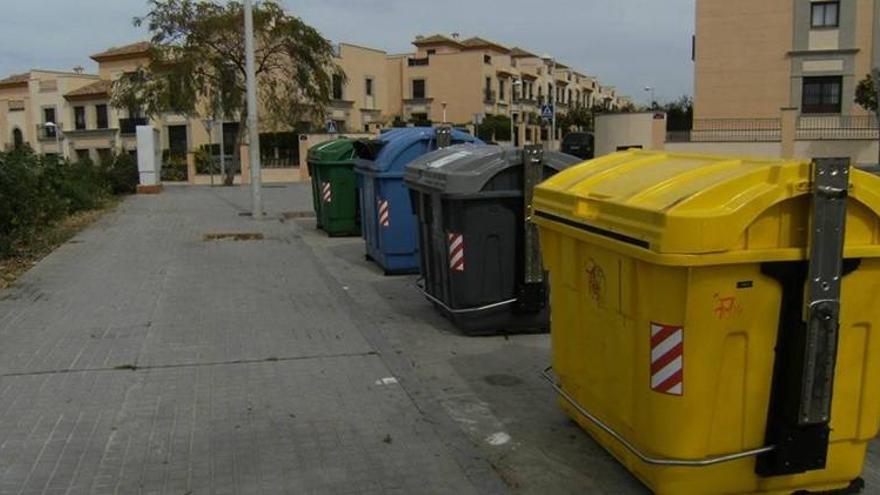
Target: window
{"points": [[487, 59], [17, 138], [82, 155], [431, 51], [79, 118], [501, 87], [825, 14], [368, 87], [822, 94], [105, 156], [418, 89], [177, 142], [101, 112], [337, 86], [49, 117]]}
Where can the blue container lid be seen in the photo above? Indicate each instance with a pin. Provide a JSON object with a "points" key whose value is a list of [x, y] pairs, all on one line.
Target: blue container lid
{"points": [[392, 151]]}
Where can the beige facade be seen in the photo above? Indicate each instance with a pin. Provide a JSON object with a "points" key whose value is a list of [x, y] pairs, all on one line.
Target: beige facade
{"points": [[753, 57], [445, 78], [456, 80]]}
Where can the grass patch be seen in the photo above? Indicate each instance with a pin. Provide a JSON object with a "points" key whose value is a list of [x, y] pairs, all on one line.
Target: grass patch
{"points": [[27, 252]]}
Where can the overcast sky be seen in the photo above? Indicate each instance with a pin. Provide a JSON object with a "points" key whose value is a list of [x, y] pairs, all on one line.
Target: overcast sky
{"points": [[627, 43]]}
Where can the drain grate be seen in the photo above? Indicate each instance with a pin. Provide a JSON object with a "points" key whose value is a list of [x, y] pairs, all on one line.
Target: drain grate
{"points": [[234, 236]]}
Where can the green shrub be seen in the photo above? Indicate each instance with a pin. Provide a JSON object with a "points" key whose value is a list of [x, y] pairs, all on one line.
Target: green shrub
{"points": [[36, 190], [173, 167], [121, 174], [82, 184]]}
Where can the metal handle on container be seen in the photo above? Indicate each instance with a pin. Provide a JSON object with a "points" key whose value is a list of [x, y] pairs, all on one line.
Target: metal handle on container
{"points": [[463, 310], [647, 459]]}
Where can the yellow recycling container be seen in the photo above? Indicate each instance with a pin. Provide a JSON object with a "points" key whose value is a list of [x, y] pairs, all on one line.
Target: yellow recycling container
{"points": [[680, 308]]}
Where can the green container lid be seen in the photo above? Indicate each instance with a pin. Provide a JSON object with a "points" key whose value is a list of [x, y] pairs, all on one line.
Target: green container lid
{"points": [[335, 150]]}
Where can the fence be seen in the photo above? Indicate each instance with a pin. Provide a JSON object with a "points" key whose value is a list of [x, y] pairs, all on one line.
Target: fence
{"points": [[837, 127], [764, 130]]}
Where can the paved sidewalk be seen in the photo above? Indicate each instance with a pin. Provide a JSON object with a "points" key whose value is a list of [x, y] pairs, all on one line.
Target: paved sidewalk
{"points": [[140, 358]]}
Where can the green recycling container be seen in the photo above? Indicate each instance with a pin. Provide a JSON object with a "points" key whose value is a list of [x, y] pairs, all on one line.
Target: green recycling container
{"points": [[334, 187]]}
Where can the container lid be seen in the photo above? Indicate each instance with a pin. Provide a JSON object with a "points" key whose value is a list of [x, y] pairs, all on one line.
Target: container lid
{"points": [[676, 203], [472, 168], [335, 150], [393, 150]]}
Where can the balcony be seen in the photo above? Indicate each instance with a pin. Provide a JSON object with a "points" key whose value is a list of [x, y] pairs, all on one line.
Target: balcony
{"points": [[128, 127], [489, 96], [45, 133]]}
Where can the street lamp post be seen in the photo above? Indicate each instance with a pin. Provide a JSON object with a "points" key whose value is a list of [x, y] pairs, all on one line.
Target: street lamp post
{"points": [[651, 90], [253, 131], [552, 62]]}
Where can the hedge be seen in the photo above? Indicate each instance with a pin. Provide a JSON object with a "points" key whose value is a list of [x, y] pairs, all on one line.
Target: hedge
{"points": [[36, 190]]}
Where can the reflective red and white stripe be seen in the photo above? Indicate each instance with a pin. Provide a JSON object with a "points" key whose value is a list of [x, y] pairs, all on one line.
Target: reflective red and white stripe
{"points": [[667, 359], [326, 192], [384, 213], [456, 252]]}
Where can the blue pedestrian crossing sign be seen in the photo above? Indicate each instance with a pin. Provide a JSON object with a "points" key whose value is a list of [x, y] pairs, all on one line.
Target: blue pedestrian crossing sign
{"points": [[331, 127], [547, 112]]}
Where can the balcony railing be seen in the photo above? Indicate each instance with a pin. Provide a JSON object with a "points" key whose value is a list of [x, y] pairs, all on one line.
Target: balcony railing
{"points": [[729, 130], [418, 62], [129, 126], [837, 127], [489, 96]]}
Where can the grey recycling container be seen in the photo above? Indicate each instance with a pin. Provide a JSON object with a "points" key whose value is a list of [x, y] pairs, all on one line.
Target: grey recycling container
{"points": [[468, 200]]}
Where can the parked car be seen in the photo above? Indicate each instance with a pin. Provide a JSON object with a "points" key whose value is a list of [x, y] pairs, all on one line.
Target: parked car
{"points": [[579, 144]]}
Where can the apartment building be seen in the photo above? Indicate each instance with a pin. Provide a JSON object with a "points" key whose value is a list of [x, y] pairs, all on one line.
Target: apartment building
{"points": [[779, 78], [70, 112], [34, 110], [446, 78], [753, 57], [454, 79]]}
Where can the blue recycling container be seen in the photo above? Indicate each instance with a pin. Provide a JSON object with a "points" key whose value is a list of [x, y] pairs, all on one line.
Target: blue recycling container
{"points": [[389, 225]]}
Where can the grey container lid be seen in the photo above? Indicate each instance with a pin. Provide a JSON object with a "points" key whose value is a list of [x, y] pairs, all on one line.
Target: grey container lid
{"points": [[468, 168]]}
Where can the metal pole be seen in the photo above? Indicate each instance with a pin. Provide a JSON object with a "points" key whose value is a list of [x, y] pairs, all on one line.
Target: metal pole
{"points": [[222, 152], [877, 87], [211, 154], [253, 131], [553, 125]]}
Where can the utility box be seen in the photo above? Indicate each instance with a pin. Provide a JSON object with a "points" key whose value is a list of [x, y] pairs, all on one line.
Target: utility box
{"points": [[149, 157], [705, 308]]}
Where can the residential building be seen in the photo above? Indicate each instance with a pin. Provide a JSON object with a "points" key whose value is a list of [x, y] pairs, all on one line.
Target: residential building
{"points": [[762, 67], [458, 79], [30, 101], [446, 78], [753, 57]]}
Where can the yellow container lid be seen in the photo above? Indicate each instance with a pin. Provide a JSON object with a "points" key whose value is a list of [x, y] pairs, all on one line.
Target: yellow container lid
{"points": [[692, 204]]}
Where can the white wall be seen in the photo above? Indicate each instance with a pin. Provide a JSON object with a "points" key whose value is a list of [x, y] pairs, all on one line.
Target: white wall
{"points": [[619, 130]]}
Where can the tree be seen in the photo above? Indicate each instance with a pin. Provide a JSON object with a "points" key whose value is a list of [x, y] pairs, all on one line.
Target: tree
{"points": [[577, 119], [198, 65], [866, 93], [679, 114]]}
